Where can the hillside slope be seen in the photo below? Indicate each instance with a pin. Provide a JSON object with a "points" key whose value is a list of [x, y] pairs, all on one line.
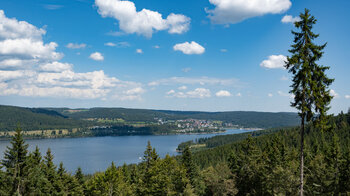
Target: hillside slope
{"points": [[34, 119]]}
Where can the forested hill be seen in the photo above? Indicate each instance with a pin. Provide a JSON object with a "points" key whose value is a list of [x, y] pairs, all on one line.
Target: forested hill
{"points": [[66, 118], [35, 119], [241, 118]]}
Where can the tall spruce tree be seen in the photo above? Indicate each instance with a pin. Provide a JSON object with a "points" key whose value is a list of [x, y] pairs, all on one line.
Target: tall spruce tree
{"points": [[310, 83], [15, 160]]}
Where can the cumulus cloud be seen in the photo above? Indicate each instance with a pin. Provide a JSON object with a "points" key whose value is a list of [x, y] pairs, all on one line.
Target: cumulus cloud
{"points": [[239, 95], [223, 50], [30, 67], [290, 19], [274, 62], [156, 46], [333, 93], [199, 93], [75, 45], [118, 45], [55, 67], [234, 11], [270, 95], [139, 51], [189, 48], [96, 56], [196, 93], [144, 22], [223, 93], [347, 96], [29, 49], [11, 28]]}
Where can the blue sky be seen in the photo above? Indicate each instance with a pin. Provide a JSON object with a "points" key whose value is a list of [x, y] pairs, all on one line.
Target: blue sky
{"points": [[211, 55]]}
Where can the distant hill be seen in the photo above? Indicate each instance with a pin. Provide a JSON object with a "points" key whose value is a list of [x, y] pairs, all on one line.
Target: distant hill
{"points": [[241, 118], [65, 118], [35, 119]]}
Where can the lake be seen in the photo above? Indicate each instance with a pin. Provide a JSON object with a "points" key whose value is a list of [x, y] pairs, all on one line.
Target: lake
{"points": [[97, 153]]}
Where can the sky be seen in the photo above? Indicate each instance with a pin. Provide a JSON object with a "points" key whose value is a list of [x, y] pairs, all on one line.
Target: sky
{"points": [[209, 55]]}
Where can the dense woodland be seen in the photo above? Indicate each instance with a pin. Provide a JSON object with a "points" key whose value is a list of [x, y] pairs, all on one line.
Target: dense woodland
{"points": [[261, 165], [219, 140], [35, 119]]}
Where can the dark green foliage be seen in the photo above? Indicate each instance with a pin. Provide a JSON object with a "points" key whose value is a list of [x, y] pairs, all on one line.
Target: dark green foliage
{"points": [[35, 119], [220, 140], [15, 162], [79, 176]]}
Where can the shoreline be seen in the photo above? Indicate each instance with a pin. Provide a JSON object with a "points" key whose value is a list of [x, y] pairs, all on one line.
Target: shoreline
{"points": [[156, 134]]}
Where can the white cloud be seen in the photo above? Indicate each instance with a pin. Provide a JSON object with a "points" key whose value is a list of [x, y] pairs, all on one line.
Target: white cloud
{"points": [[189, 48], [156, 46], [234, 11], [30, 67], [110, 44], [96, 56], [195, 81], [139, 51], [11, 28], [239, 95], [347, 96], [182, 88], [170, 92], [199, 93], [118, 45], [270, 95], [290, 19], [223, 50], [143, 22], [55, 67], [274, 62], [196, 93], [75, 45], [29, 48], [223, 93], [333, 93]]}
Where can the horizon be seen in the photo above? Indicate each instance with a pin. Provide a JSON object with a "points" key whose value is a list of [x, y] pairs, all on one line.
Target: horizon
{"points": [[188, 56], [153, 109]]}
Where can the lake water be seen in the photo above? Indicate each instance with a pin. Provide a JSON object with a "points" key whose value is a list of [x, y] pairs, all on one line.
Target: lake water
{"points": [[97, 153]]}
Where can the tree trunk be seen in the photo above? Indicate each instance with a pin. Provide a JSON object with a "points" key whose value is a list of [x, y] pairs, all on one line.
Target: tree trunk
{"points": [[302, 157]]}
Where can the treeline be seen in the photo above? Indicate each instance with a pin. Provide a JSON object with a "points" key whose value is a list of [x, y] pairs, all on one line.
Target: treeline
{"points": [[120, 130], [263, 165], [219, 140]]}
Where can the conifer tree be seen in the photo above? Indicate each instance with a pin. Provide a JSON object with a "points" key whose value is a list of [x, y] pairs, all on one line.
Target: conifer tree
{"points": [[190, 167], [15, 161], [310, 83], [79, 176]]}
